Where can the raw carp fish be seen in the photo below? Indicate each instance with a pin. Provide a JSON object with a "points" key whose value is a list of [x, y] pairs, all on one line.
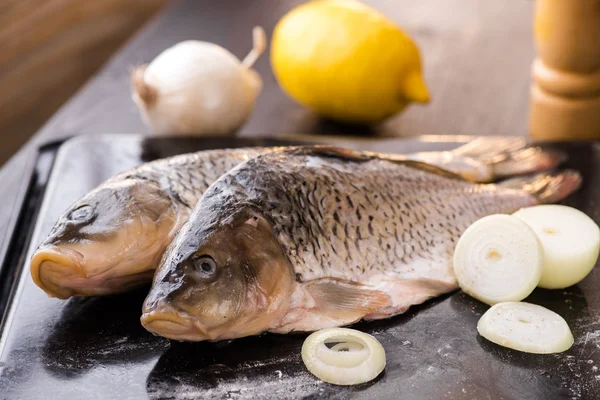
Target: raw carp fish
{"points": [[308, 238]]}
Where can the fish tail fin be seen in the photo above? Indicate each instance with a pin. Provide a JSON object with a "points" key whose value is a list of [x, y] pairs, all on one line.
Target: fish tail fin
{"points": [[526, 161], [550, 187], [510, 156]]}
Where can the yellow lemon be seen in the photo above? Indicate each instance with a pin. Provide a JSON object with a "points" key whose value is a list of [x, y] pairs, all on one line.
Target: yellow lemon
{"points": [[346, 61]]}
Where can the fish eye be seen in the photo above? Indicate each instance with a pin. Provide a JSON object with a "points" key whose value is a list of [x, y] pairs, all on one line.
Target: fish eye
{"points": [[81, 213], [205, 265]]}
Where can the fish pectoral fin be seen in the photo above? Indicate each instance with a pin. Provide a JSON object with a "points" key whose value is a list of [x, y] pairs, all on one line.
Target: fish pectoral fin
{"points": [[345, 301]]}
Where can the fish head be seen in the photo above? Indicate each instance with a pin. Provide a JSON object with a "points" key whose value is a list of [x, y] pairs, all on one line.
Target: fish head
{"points": [[108, 241], [230, 280]]}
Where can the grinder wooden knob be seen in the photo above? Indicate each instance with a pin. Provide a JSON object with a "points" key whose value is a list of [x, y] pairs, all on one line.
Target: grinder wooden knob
{"points": [[565, 93]]}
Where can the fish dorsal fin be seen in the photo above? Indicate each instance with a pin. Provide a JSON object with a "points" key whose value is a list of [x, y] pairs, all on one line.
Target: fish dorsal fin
{"points": [[363, 156], [334, 152]]}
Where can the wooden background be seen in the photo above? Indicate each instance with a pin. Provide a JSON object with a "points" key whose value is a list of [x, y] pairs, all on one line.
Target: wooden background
{"points": [[49, 48]]}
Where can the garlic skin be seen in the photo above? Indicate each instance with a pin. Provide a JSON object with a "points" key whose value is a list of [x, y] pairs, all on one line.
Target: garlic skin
{"points": [[198, 88]]}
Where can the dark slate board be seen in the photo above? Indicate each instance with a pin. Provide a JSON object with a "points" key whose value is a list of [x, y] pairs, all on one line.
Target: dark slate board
{"points": [[95, 348]]}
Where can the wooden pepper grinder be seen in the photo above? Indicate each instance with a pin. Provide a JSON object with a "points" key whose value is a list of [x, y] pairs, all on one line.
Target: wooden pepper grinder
{"points": [[565, 93]]}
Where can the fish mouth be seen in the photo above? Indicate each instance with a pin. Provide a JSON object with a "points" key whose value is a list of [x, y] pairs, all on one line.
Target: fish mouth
{"points": [[52, 265], [173, 324]]}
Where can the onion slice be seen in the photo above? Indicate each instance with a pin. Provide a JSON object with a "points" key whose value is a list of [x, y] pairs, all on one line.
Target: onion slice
{"points": [[355, 358], [570, 239], [525, 327], [497, 259]]}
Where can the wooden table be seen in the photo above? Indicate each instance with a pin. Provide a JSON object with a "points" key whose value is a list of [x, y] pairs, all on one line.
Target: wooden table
{"points": [[476, 54]]}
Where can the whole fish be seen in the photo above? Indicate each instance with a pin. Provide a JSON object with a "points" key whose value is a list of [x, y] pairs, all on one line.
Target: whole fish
{"points": [[314, 237], [112, 239]]}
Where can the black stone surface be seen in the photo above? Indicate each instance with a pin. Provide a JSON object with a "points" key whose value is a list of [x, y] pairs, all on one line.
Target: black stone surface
{"points": [[95, 348]]}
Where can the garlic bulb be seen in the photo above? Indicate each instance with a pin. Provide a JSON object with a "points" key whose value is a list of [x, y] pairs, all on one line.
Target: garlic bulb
{"points": [[198, 88]]}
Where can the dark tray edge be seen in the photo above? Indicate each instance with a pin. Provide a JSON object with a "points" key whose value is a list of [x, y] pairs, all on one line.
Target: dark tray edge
{"points": [[20, 226]]}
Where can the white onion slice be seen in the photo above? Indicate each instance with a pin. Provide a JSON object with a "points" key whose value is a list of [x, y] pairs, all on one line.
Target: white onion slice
{"points": [[498, 258], [525, 327], [356, 358], [570, 239]]}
